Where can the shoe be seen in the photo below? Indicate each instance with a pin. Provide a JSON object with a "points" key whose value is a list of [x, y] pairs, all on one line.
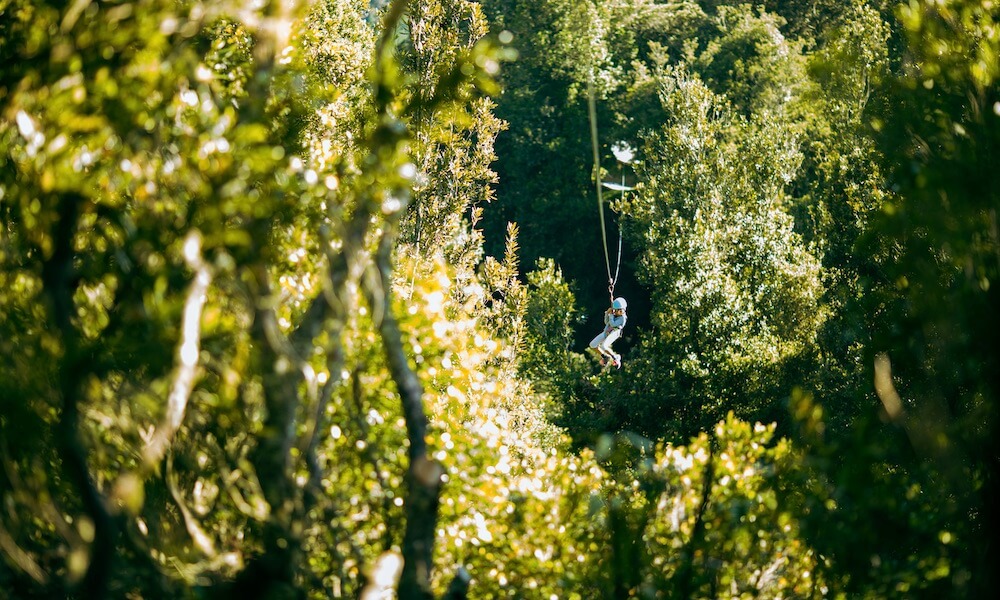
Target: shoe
{"points": [[603, 361], [617, 362]]}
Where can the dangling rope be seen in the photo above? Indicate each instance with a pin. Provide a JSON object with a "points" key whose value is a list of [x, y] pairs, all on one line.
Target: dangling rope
{"points": [[592, 109]]}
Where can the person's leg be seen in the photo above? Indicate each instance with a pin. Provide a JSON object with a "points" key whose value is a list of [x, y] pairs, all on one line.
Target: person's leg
{"points": [[596, 345], [605, 347], [597, 355]]}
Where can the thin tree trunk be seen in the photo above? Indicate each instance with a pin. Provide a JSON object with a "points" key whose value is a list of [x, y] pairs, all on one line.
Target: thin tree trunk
{"points": [[423, 476], [58, 278]]}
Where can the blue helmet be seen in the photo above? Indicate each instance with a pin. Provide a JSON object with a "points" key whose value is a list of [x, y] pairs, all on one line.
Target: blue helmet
{"points": [[619, 303]]}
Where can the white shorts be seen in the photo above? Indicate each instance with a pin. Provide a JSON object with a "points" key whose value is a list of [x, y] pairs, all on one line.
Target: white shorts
{"points": [[604, 339]]}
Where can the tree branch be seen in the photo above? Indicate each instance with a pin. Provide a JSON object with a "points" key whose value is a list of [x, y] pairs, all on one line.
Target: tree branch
{"points": [[187, 354], [59, 280], [423, 476], [201, 539], [318, 425], [685, 573], [19, 557]]}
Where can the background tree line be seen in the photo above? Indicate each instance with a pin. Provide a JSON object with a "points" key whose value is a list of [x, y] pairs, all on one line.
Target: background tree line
{"points": [[293, 299]]}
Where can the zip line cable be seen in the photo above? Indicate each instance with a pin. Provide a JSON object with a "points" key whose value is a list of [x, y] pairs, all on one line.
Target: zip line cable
{"points": [[592, 109], [618, 263]]}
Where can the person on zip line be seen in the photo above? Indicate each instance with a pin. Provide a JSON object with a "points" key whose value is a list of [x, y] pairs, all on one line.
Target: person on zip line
{"points": [[614, 322], [614, 317]]}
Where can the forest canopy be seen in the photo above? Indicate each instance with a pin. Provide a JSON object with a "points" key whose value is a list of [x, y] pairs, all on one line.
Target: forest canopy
{"points": [[296, 295]]}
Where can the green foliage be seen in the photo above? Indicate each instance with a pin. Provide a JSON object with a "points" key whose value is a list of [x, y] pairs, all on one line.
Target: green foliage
{"points": [[178, 207], [750, 62], [738, 293], [813, 19], [940, 299], [884, 523], [838, 188], [646, 28], [544, 161], [723, 525], [549, 317], [815, 263], [255, 344]]}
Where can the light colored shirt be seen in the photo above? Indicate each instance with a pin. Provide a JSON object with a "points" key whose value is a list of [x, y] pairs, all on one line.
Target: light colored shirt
{"points": [[614, 321]]}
